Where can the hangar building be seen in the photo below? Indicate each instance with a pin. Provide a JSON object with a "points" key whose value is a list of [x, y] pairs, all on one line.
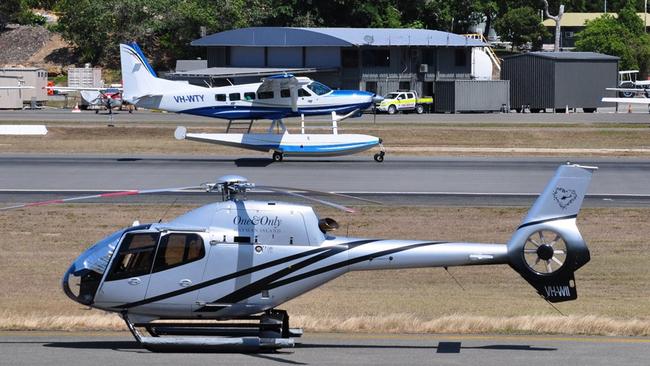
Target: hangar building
{"points": [[373, 59]]}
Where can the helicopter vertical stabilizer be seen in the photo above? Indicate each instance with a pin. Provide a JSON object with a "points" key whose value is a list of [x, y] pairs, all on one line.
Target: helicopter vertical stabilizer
{"points": [[547, 247]]}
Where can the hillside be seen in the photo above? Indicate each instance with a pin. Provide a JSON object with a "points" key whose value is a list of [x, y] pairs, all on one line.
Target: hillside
{"points": [[35, 46]]}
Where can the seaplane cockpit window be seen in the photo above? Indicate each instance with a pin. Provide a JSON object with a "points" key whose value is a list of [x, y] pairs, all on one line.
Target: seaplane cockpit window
{"points": [[249, 96], [285, 93], [135, 256], [220, 97], [177, 249], [303, 93], [319, 88], [265, 95], [234, 96]]}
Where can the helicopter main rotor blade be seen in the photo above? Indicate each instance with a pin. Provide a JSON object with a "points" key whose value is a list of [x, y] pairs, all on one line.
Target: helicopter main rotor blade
{"points": [[327, 203], [319, 192], [99, 195]]}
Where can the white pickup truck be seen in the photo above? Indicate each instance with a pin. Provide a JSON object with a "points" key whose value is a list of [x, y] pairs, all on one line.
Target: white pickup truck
{"points": [[403, 100]]}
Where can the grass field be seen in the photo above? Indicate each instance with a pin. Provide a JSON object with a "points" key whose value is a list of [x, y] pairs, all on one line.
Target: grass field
{"points": [[418, 139], [39, 244]]}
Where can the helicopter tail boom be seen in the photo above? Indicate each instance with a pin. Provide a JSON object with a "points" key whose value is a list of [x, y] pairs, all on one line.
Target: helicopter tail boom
{"points": [[547, 248]]}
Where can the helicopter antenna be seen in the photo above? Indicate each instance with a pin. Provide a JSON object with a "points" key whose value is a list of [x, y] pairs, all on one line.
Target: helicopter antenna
{"points": [[554, 307], [167, 210], [452, 276]]}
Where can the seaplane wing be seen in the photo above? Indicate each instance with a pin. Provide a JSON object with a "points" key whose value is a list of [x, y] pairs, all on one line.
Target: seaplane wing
{"points": [[284, 81], [626, 100]]}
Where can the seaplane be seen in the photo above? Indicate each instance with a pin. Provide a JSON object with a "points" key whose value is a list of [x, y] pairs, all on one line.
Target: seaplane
{"points": [[274, 98]]}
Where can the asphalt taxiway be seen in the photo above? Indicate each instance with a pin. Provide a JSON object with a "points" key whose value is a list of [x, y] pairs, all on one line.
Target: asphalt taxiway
{"points": [[605, 115], [59, 348]]}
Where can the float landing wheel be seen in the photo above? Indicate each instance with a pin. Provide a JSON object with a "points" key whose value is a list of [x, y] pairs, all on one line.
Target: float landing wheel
{"points": [[277, 156], [379, 157]]}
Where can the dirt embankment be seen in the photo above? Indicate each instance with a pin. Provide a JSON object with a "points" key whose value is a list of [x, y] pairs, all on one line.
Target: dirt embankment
{"points": [[34, 46]]}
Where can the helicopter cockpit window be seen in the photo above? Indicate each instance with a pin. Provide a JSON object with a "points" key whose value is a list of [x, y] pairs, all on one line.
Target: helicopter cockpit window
{"points": [[319, 88], [135, 256], [178, 248]]}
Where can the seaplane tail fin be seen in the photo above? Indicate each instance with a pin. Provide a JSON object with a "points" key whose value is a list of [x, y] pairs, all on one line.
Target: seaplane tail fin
{"points": [[138, 77], [547, 248]]}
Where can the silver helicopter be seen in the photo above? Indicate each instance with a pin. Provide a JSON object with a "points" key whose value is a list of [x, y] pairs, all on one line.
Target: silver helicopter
{"points": [[240, 259]]}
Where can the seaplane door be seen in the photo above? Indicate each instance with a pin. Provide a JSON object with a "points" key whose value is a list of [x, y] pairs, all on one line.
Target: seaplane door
{"points": [[179, 265]]}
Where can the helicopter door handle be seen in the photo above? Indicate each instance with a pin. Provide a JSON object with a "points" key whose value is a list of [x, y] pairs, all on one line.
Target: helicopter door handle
{"points": [[134, 281], [185, 283]]}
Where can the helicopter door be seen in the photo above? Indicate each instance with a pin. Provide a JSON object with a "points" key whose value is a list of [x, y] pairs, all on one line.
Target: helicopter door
{"points": [[128, 278], [179, 265]]}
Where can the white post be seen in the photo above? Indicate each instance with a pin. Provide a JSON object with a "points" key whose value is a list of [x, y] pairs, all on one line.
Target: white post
{"points": [[302, 123]]}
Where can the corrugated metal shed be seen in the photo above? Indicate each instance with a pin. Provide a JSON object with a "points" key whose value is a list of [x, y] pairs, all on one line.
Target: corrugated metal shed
{"points": [[341, 37], [32, 76], [11, 98], [541, 80], [455, 96]]}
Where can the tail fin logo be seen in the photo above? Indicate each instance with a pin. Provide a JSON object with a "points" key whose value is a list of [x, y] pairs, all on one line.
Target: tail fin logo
{"points": [[564, 197]]}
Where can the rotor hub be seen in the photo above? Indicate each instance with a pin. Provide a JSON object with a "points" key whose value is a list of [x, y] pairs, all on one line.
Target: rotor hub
{"points": [[545, 252]]}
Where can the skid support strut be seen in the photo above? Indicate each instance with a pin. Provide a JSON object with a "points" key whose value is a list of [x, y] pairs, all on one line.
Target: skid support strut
{"points": [[271, 333]]}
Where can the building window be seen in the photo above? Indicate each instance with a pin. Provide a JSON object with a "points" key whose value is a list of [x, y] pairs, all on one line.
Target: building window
{"points": [[460, 57], [429, 56], [350, 58], [376, 58], [234, 96], [371, 86], [404, 85], [220, 97]]}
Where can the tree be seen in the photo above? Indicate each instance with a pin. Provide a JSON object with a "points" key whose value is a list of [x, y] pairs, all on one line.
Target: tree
{"points": [[521, 26], [621, 36]]}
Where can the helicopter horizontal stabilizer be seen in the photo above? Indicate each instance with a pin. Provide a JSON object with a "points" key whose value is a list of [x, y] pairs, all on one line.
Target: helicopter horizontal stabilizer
{"points": [[547, 247]]}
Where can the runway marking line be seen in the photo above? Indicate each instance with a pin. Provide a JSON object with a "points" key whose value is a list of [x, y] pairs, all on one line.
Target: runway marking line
{"points": [[470, 337]]}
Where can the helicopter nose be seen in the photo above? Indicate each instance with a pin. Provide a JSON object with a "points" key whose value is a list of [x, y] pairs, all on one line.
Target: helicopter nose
{"points": [[84, 283]]}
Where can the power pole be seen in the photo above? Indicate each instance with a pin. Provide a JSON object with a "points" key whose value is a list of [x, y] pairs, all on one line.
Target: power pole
{"points": [[557, 19]]}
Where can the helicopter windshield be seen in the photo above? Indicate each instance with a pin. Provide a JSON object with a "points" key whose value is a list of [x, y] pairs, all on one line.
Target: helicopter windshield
{"points": [[319, 88], [96, 258]]}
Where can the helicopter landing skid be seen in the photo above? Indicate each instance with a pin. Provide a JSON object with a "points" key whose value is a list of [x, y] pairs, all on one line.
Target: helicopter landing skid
{"points": [[271, 333]]}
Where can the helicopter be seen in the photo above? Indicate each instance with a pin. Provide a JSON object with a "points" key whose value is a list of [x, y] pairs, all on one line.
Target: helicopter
{"points": [[238, 260]]}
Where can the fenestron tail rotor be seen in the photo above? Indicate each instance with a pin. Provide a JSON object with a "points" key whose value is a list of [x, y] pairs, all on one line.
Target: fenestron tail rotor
{"points": [[545, 251]]}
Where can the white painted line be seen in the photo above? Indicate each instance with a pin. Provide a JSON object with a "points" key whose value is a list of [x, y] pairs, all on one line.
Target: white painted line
{"points": [[23, 130]]}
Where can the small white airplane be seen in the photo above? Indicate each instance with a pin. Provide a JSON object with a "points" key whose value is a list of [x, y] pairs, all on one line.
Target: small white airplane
{"points": [[108, 97], [274, 98]]}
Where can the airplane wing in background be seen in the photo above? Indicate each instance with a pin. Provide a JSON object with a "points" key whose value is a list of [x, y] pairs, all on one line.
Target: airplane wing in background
{"points": [[15, 87]]}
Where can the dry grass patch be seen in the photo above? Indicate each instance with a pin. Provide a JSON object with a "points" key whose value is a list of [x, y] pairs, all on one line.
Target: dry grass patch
{"points": [[38, 245], [419, 139]]}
